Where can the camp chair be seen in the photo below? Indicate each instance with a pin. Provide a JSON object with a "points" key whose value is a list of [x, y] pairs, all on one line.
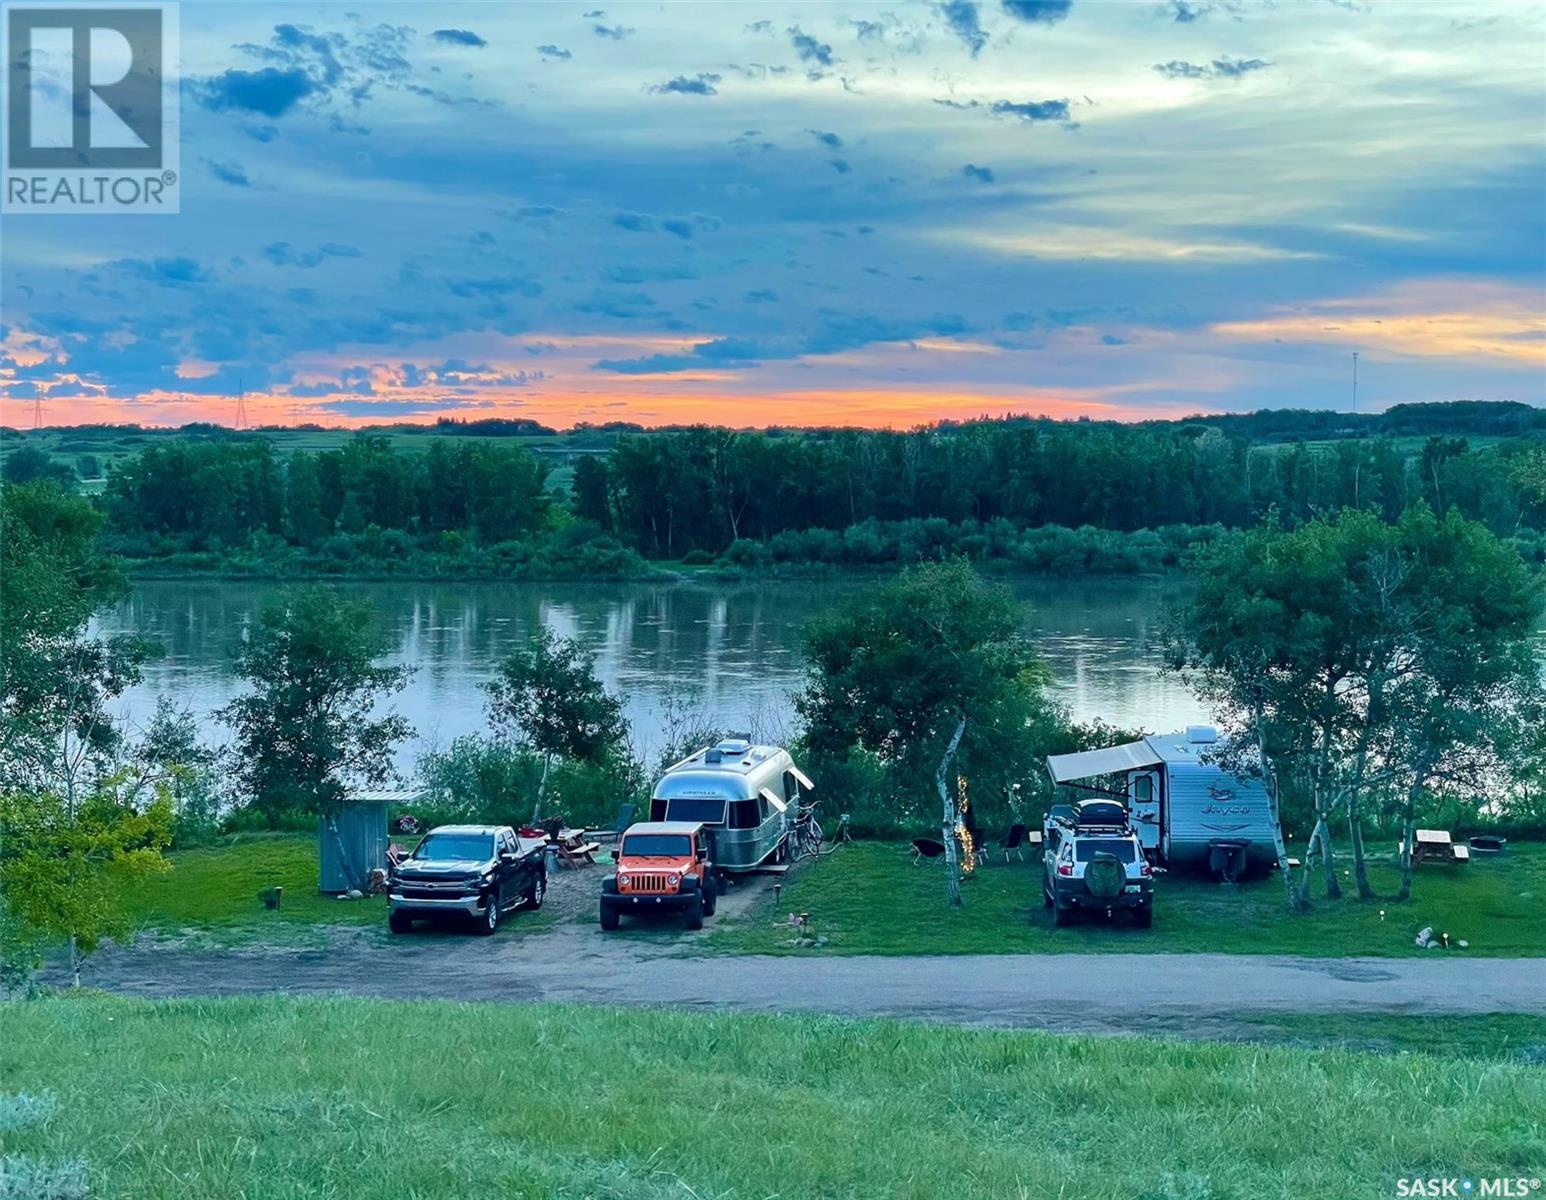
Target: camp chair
{"points": [[927, 848], [625, 815], [1013, 840]]}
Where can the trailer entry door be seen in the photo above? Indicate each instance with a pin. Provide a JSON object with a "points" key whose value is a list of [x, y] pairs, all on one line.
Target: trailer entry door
{"points": [[1145, 808]]}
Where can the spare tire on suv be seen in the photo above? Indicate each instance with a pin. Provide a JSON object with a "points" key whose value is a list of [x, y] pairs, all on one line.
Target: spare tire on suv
{"points": [[1105, 876]]}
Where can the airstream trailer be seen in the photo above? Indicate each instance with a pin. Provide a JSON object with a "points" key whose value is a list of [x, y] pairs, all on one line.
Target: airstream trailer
{"points": [[746, 796], [1189, 810]]}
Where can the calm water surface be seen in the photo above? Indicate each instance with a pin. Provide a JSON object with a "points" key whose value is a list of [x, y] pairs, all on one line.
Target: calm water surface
{"points": [[730, 650]]}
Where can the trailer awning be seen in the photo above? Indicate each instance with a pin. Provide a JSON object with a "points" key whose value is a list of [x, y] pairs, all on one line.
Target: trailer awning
{"points": [[1064, 768]]}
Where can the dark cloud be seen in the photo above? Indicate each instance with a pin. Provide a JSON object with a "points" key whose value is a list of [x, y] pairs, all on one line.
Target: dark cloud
{"points": [[282, 254], [826, 139], [841, 166], [808, 48], [1045, 12], [1219, 68], [551, 51], [677, 227], [701, 84], [616, 32], [228, 172], [961, 16], [869, 31], [171, 272], [982, 174], [760, 27], [1031, 110], [458, 37], [270, 91]]}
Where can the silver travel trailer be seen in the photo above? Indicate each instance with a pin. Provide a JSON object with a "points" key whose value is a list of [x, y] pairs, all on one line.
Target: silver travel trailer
{"points": [[1188, 810], [746, 796]]}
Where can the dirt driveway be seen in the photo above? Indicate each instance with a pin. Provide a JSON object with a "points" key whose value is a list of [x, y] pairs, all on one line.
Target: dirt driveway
{"points": [[1193, 994]]}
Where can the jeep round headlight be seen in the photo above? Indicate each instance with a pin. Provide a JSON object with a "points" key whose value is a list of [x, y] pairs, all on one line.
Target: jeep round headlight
{"points": [[623, 880], [673, 880]]}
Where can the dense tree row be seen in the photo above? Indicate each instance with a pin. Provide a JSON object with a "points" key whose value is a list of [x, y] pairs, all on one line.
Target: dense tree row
{"points": [[226, 491], [704, 489]]}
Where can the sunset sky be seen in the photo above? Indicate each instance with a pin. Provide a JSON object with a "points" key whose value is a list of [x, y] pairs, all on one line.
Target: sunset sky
{"points": [[756, 213]]}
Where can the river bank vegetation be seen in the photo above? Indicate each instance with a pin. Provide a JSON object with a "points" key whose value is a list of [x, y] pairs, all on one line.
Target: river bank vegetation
{"points": [[506, 500]]}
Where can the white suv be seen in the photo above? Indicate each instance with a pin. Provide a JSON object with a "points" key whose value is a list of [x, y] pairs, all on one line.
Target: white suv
{"points": [[1092, 860]]}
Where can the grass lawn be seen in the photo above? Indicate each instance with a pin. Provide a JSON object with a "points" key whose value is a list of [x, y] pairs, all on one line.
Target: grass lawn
{"points": [[866, 898], [338, 1098], [1508, 1037], [213, 891]]}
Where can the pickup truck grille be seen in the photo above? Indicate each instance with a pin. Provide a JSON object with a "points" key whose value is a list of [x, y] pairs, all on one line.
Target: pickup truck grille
{"points": [[648, 883], [430, 889]]}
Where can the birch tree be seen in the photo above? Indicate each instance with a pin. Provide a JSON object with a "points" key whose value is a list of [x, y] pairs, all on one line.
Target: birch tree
{"points": [[909, 669]]}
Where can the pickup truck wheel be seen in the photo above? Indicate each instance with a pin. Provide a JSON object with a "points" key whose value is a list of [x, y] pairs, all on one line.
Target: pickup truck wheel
{"points": [[693, 917], [1062, 916], [399, 922], [538, 892], [488, 919], [608, 917]]}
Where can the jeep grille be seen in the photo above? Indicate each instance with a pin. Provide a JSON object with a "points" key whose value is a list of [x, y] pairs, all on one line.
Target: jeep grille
{"points": [[647, 883]]}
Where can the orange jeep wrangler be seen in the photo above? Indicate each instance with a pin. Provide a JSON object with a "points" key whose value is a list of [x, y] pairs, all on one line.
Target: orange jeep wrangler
{"points": [[662, 866]]}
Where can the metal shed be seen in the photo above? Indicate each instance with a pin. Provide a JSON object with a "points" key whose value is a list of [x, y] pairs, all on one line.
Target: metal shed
{"points": [[362, 831]]}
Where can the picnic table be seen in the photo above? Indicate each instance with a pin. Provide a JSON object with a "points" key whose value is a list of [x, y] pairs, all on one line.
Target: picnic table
{"points": [[576, 848]]}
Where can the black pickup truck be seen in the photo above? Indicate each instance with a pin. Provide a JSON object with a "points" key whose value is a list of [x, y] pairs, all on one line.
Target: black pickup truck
{"points": [[475, 872]]}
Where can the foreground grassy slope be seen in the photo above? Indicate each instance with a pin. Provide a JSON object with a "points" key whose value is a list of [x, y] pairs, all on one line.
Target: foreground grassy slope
{"points": [[350, 1098], [866, 898]]}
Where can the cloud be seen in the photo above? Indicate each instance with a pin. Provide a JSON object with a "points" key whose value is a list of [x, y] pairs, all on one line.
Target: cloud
{"points": [[458, 37], [826, 139], [760, 27], [269, 91], [1045, 12], [551, 51], [616, 32], [982, 174], [961, 16], [634, 222], [282, 254], [1024, 110], [228, 172], [1031, 110], [701, 84], [1219, 68], [1185, 12], [167, 271], [841, 166], [869, 31], [808, 48]]}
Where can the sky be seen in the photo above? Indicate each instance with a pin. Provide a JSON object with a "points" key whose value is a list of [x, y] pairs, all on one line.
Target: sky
{"points": [[756, 213]]}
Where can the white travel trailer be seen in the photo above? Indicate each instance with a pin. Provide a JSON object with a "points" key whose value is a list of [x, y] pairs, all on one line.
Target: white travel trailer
{"points": [[1188, 810], [747, 797]]}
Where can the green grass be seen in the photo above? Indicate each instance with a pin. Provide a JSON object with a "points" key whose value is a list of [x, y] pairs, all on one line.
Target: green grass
{"points": [[1507, 1037], [866, 898], [338, 1098], [212, 892]]}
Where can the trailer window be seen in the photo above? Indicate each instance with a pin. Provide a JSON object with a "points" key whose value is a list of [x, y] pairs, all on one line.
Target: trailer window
{"points": [[1123, 851], [708, 809], [744, 814]]}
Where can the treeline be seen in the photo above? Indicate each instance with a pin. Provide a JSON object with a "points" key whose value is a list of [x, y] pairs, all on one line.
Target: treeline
{"points": [[705, 489], [1031, 494]]}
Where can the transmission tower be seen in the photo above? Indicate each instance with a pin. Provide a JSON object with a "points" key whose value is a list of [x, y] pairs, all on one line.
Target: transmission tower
{"points": [[241, 406], [1355, 381], [37, 411]]}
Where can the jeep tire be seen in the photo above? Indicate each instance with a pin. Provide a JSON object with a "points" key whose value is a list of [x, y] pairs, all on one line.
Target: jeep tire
{"points": [[710, 895], [609, 916], [692, 916]]}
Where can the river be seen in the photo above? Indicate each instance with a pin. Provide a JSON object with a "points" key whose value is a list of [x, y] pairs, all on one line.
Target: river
{"points": [[729, 650]]}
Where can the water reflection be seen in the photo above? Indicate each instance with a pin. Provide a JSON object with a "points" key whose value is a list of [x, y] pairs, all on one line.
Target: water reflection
{"points": [[733, 650]]}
